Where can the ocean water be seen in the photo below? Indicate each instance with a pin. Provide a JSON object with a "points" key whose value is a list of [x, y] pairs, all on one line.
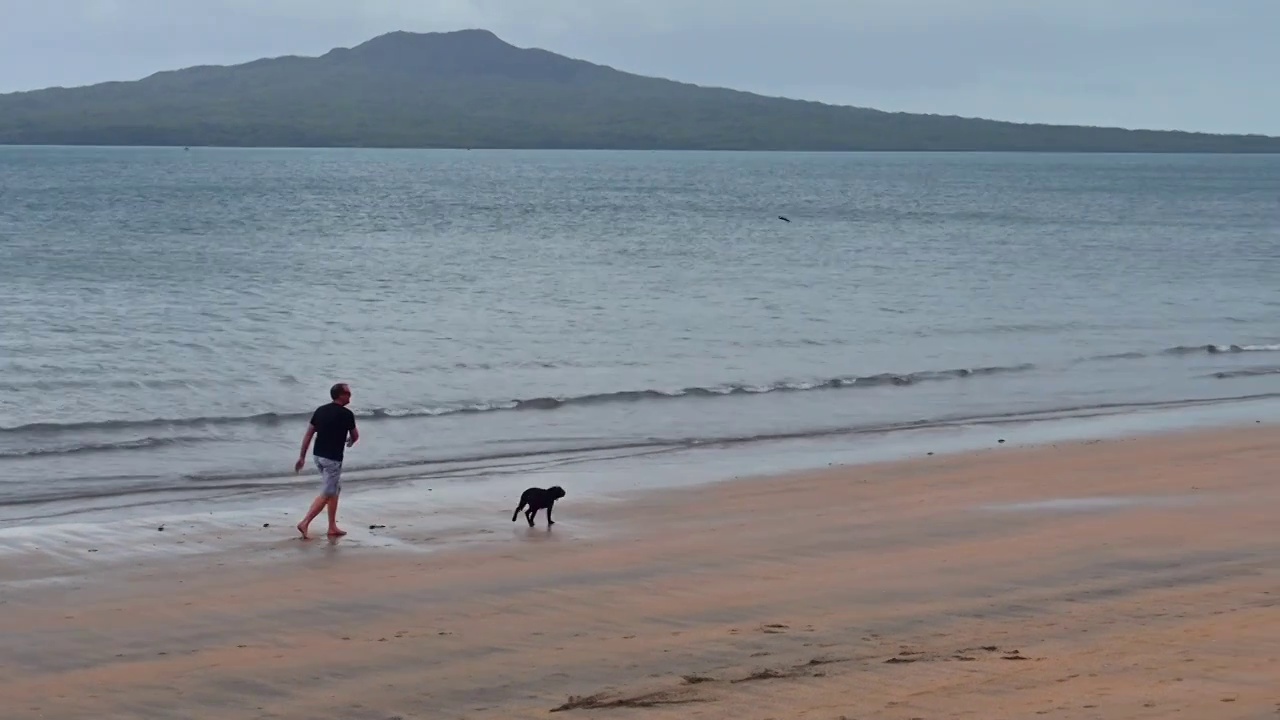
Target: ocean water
{"points": [[171, 317]]}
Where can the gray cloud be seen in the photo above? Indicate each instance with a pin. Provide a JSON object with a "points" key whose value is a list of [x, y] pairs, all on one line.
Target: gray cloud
{"points": [[1191, 64]]}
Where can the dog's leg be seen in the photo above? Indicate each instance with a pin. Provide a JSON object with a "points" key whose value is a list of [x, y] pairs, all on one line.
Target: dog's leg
{"points": [[528, 515], [519, 507], [550, 522]]}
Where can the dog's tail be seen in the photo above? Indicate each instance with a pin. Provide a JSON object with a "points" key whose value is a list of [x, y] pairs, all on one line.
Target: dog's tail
{"points": [[516, 514]]}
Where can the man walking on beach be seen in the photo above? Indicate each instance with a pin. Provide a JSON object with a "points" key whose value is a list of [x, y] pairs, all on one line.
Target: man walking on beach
{"points": [[334, 426]]}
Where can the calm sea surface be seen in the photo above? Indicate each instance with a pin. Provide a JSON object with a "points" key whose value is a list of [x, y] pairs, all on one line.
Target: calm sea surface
{"points": [[172, 317]]}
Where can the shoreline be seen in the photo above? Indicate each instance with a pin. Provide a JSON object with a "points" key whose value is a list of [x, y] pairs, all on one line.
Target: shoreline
{"points": [[105, 470], [435, 515], [869, 590]]}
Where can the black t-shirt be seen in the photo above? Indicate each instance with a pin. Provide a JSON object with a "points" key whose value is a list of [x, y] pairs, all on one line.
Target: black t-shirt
{"points": [[332, 422]]}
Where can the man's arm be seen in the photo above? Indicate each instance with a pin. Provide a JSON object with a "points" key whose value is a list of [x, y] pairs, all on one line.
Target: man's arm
{"points": [[353, 433], [306, 443]]}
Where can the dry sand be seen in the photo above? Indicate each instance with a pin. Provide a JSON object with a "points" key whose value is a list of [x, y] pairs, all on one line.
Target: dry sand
{"points": [[900, 590]]}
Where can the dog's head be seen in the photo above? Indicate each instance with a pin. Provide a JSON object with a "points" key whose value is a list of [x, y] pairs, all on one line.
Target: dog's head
{"points": [[555, 491]]}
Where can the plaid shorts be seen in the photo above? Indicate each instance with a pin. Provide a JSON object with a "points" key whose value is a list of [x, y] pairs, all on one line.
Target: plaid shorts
{"points": [[331, 472]]}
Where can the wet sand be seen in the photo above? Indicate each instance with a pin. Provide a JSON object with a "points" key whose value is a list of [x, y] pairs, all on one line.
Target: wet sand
{"points": [[1119, 579]]}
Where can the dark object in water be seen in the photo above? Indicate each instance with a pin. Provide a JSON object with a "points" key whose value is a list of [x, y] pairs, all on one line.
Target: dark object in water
{"points": [[783, 218]]}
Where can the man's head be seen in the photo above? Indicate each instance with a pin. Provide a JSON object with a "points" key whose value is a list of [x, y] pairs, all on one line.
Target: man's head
{"points": [[340, 393]]}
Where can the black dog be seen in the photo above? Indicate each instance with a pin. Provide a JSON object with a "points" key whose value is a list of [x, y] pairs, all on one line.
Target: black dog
{"points": [[538, 499]]}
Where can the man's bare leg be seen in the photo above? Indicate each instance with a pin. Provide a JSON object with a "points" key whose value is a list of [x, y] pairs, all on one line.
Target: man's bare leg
{"points": [[334, 530], [316, 506]]}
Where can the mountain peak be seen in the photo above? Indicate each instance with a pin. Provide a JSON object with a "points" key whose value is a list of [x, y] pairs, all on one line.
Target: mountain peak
{"points": [[476, 38], [467, 53]]}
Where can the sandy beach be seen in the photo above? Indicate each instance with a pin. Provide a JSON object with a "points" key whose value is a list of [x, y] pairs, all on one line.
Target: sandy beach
{"points": [[1134, 578]]}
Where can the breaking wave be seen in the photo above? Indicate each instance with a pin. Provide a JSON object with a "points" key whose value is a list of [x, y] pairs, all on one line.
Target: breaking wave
{"points": [[51, 438], [534, 403]]}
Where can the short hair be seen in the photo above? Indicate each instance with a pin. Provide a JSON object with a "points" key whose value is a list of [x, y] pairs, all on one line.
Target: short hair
{"points": [[338, 390]]}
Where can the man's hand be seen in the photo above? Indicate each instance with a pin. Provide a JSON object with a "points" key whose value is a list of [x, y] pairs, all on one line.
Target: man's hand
{"points": [[302, 452]]}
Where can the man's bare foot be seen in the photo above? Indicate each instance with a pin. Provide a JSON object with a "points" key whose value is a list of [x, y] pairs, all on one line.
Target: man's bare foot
{"points": [[303, 531], [335, 532]]}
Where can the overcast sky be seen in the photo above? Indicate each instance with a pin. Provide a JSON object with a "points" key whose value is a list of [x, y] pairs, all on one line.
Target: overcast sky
{"points": [[1187, 64]]}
